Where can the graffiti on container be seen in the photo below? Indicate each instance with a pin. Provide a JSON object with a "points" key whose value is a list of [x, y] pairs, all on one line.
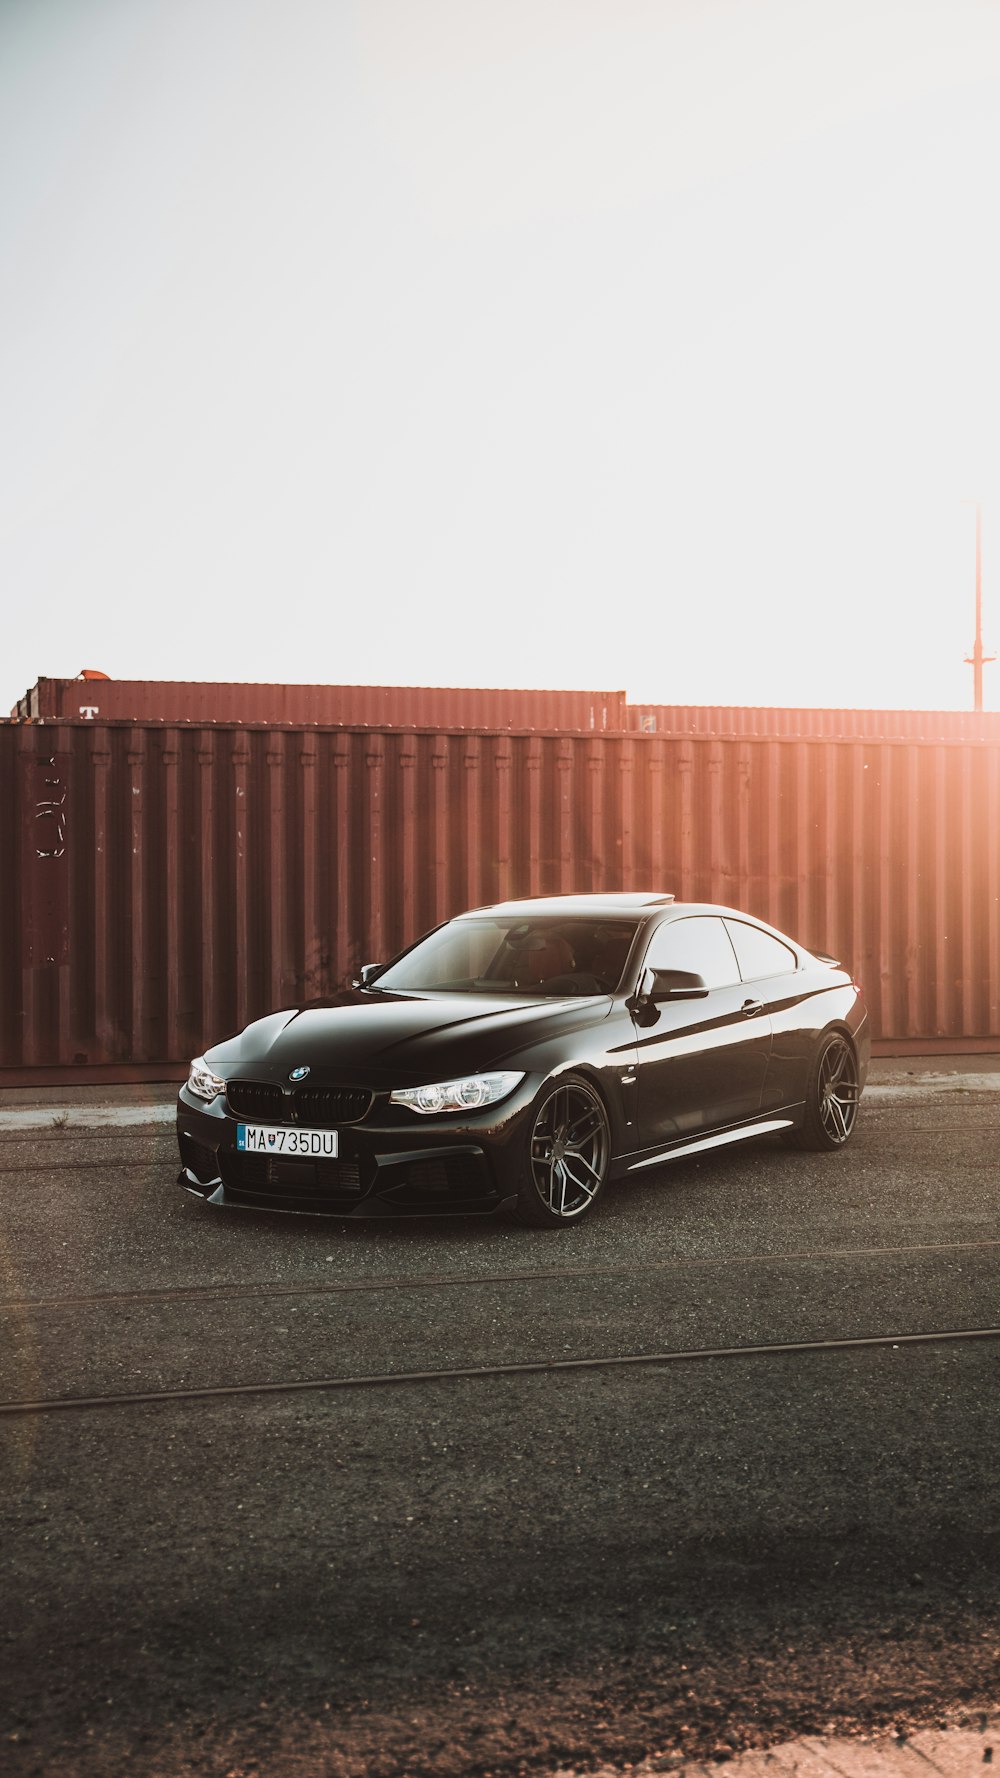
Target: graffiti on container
{"points": [[51, 808]]}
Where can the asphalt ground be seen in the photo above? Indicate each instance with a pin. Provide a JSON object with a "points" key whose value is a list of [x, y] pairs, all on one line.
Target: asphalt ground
{"points": [[455, 1497]]}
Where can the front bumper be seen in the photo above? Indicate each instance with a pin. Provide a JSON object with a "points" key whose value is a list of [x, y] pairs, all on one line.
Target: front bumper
{"points": [[435, 1166]]}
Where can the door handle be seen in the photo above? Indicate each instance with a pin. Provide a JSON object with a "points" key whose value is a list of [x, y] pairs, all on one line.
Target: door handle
{"points": [[751, 1008]]}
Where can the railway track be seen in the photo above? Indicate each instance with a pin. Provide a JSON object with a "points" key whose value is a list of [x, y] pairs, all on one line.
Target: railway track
{"points": [[465, 1373], [466, 1281]]}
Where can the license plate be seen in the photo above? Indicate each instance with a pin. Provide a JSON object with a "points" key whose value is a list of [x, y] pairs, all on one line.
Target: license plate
{"points": [[311, 1144]]}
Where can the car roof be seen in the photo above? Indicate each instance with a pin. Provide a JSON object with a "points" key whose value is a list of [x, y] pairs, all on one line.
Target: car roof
{"points": [[610, 902]]}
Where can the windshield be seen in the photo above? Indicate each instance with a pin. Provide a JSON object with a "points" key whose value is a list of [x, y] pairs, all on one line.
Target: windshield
{"points": [[538, 956]]}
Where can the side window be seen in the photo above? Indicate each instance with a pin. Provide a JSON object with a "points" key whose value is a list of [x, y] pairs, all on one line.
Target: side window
{"points": [[758, 953], [699, 944]]}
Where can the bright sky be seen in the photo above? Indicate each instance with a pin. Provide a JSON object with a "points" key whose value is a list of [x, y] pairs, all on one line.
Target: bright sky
{"points": [[595, 343]]}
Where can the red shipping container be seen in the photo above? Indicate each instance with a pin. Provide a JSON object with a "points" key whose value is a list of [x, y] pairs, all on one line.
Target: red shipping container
{"points": [[379, 706], [876, 725], [164, 883]]}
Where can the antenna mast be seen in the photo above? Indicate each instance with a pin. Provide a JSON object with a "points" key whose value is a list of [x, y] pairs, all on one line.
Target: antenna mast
{"points": [[977, 659]]}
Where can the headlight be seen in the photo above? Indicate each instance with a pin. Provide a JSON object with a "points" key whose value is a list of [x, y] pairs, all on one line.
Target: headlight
{"points": [[202, 1082], [468, 1094]]}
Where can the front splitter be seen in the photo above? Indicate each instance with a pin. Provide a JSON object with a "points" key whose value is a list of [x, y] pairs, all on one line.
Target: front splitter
{"points": [[371, 1207]]}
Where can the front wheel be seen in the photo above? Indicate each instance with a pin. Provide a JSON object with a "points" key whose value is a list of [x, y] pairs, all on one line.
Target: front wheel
{"points": [[832, 1097], [569, 1152]]}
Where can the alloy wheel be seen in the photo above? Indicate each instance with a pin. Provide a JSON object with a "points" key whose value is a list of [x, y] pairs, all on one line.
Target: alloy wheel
{"points": [[570, 1147], [837, 1090]]}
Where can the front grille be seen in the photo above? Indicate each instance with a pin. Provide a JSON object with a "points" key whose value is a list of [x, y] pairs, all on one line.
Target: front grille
{"points": [[252, 1098], [326, 1107], [262, 1178]]}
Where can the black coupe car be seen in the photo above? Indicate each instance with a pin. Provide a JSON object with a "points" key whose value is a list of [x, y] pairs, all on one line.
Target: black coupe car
{"points": [[521, 1056]]}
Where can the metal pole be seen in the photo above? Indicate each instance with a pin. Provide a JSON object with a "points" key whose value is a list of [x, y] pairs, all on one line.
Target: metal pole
{"points": [[977, 659], [977, 648]]}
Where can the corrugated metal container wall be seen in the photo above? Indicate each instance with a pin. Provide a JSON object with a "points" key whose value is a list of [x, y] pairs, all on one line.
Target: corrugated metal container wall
{"points": [[876, 725], [162, 885], [379, 706]]}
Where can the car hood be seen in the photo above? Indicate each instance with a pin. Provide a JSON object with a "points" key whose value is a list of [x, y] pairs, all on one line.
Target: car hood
{"points": [[378, 1035]]}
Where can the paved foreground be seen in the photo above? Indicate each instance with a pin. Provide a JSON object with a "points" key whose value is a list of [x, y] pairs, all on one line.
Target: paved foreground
{"points": [[286, 1537], [951, 1753]]}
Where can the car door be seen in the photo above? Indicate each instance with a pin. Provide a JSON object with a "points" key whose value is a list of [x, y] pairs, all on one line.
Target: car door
{"points": [[771, 973], [701, 1064]]}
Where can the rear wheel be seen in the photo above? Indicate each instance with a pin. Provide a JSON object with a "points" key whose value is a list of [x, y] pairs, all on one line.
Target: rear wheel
{"points": [[832, 1097], [569, 1152]]}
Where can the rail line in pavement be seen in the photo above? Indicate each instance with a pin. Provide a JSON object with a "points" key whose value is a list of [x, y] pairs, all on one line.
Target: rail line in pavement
{"points": [[470, 1281], [479, 1373]]}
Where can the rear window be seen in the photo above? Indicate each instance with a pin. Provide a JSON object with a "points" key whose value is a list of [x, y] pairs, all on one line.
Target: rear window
{"points": [[757, 953]]}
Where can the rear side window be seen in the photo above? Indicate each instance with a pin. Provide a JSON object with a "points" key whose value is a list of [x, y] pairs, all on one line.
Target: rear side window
{"points": [[699, 944], [758, 953]]}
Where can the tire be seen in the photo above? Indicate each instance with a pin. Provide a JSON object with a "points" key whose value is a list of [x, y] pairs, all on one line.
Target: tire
{"points": [[567, 1156], [831, 1099]]}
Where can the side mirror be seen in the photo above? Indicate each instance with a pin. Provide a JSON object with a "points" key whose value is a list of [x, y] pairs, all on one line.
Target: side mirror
{"points": [[677, 984], [656, 985], [368, 973]]}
